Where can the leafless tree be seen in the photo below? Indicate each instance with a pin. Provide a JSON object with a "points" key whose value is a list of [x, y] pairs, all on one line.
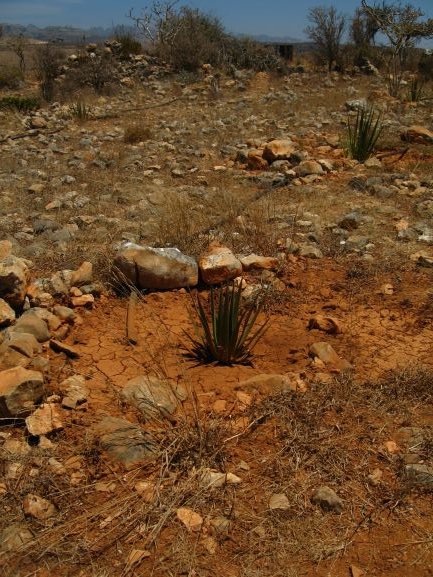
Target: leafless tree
{"points": [[18, 45], [326, 31], [158, 22], [402, 27]]}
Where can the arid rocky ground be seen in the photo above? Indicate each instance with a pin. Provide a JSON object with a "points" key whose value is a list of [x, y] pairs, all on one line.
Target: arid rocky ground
{"points": [[294, 466]]}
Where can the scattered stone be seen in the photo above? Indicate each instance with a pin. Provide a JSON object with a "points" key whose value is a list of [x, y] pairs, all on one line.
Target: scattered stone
{"points": [[56, 466], [7, 314], [375, 477], [326, 324], [279, 501], [327, 355], [46, 419], [83, 301], [307, 167], [32, 324], [153, 397], [219, 265], [156, 268], [255, 262], [255, 160], [68, 350], [391, 447], [419, 474], [418, 134], [76, 391], [83, 275], [310, 251], [125, 442], [271, 383], [14, 277], [212, 479], [192, 520], [146, 490], [20, 390], [356, 571], [38, 507], [422, 259], [15, 537], [327, 499], [278, 150], [38, 122]]}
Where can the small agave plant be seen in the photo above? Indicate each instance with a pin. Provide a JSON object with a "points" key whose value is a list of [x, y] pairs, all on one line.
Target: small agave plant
{"points": [[228, 333], [364, 133]]}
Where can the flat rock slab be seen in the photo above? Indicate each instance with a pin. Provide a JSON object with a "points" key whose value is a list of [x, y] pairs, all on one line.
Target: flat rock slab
{"points": [[153, 397], [20, 390], [156, 268], [124, 442]]}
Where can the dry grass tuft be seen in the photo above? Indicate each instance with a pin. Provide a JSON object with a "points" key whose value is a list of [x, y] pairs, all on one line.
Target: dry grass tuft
{"points": [[137, 133]]}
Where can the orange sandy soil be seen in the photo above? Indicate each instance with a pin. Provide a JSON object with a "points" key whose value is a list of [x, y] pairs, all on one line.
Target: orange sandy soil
{"points": [[382, 531]]}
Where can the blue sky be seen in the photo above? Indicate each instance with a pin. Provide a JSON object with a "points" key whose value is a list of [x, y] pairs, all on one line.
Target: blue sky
{"points": [[275, 18]]}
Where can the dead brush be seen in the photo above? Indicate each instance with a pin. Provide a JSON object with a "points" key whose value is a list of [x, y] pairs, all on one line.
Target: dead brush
{"points": [[135, 133], [411, 384]]}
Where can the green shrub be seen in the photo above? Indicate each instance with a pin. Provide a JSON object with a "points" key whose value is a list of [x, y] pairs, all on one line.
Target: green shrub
{"points": [[10, 77], [225, 334], [19, 103], [364, 133]]}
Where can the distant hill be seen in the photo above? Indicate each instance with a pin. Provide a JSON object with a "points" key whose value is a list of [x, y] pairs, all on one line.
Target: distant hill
{"points": [[71, 35], [65, 34]]}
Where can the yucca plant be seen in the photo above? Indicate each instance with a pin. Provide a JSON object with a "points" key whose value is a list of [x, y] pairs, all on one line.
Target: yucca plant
{"points": [[226, 334], [80, 110], [364, 133], [416, 89]]}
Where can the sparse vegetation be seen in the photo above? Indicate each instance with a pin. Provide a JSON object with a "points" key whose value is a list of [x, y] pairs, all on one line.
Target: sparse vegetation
{"points": [[228, 333], [47, 59], [80, 110], [188, 38], [10, 77], [20, 103], [326, 31]]}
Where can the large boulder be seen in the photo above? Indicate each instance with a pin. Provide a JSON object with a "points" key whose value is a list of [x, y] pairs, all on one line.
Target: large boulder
{"points": [[14, 278], [20, 390], [156, 268]]}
